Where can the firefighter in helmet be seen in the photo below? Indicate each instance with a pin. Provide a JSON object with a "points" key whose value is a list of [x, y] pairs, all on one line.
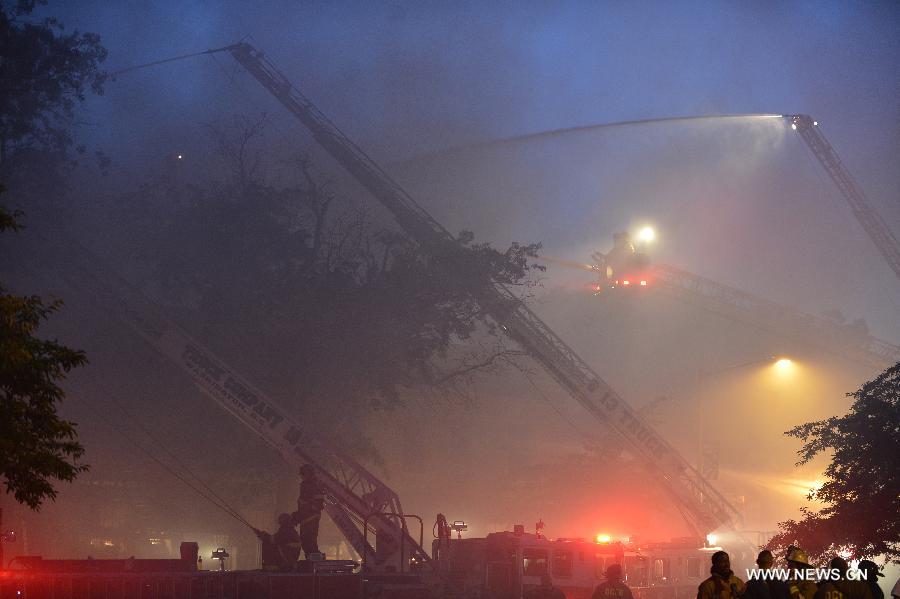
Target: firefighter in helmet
{"points": [[722, 583], [760, 587], [798, 563], [612, 587], [872, 574], [621, 257], [310, 504], [280, 551]]}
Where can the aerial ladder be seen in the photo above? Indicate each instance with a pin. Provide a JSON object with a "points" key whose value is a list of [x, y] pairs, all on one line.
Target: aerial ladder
{"points": [[705, 509], [363, 507], [838, 338], [872, 222]]}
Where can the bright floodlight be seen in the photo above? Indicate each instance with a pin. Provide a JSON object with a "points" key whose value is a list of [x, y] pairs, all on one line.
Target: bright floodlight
{"points": [[794, 126], [711, 539], [784, 364], [647, 234], [601, 538], [784, 367]]}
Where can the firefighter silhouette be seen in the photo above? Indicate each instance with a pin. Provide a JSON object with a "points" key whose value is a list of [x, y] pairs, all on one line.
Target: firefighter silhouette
{"points": [[280, 551], [310, 504], [612, 587], [722, 583]]}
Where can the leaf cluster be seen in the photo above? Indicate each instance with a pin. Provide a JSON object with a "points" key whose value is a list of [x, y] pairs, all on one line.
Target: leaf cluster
{"points": [[36, 445], [45, 72], [349, 309], [357, 309]]}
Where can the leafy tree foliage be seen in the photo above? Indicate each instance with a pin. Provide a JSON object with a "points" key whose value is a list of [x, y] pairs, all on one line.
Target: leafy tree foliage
{"points": [[862, 491], [36, 445], [45, 73], [349, 309]]}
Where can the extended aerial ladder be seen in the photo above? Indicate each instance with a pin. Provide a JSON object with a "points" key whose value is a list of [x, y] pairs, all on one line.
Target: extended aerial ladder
{"points": [[704, 507], [356, 500], [872, 222], [837, 338]]}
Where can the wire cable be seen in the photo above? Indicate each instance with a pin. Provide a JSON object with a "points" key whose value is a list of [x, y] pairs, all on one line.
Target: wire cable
{"points": [[209, 493], [108, 422], [175, 458], [115, 74]]}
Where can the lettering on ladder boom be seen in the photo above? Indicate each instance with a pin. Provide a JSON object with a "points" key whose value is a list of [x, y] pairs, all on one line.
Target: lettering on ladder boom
{"points": [[251, 400], [242, 398], [643, 435]]}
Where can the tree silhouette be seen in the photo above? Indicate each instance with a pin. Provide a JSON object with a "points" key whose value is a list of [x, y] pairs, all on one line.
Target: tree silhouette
{"points": [[862, 490]]}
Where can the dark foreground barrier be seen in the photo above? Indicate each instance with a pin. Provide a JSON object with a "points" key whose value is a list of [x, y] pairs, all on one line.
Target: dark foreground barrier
{"points": [[179, 585]]}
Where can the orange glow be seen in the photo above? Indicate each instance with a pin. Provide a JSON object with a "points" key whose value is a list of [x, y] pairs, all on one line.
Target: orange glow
{"points": [[784, 364], [603, 538]]}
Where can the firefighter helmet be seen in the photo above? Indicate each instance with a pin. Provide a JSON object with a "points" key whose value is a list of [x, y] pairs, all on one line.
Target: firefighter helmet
{"points": [[869, 566], [798, 556], [614, 571]]}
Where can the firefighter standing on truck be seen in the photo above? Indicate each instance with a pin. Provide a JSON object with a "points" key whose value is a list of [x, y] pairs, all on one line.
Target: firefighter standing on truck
{"points": [[309, 510]]}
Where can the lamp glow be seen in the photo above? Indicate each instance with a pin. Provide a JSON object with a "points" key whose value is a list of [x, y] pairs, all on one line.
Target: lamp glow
{"points": [[647, 234]]}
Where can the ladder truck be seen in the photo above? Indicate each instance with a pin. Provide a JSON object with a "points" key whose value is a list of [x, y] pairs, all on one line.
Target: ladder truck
{"points": [[363, 507], [872, 222], [704, 508]]}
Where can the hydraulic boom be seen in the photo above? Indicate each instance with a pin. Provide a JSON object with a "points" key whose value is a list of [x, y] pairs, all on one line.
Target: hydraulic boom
{"points": [[868, 217], [705, 508]]}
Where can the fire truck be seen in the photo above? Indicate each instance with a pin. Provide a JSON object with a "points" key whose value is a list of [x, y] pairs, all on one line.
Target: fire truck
{"points": [[504, 565]]}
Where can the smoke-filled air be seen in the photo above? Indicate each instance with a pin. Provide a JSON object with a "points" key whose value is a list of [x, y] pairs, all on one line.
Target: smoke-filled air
{"points": [[446, 300]]}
